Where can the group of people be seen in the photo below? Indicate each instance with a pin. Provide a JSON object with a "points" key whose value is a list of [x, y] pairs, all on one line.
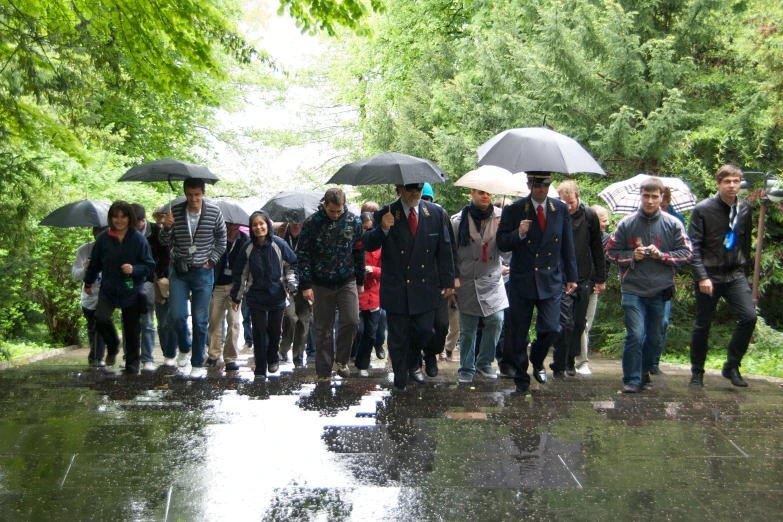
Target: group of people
{"points": [[477, 276]]}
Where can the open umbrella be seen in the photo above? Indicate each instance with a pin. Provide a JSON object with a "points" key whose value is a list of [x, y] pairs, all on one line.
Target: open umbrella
{"points": [[495, 180], [623, 197], [84, 213], [537, 149], [389, 168], [232, 212], [168, 170], [293, 206]]}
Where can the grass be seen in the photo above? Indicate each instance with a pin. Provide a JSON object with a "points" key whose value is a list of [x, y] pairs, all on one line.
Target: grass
{"points": [[18, 349]]}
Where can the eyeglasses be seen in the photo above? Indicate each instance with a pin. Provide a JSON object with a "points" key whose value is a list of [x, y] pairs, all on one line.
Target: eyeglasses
{"points": [[413, 188]]}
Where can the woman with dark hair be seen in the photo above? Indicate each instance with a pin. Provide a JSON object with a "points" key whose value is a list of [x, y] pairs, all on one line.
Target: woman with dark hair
{"points": [[264, 274], [123, 258]]}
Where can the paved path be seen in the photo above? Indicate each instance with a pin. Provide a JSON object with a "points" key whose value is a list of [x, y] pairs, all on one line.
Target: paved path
{"points": [[85, 445]]}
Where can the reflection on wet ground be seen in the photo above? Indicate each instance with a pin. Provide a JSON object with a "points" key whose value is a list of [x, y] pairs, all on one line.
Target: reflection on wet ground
{"points": [[86, 445]]}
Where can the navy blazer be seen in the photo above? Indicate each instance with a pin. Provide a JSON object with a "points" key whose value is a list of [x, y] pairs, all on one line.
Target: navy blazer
{"points": [[413, 271], [538, 260]]}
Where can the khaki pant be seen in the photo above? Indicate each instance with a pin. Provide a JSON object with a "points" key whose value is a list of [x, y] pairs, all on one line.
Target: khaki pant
{"points": [[296, 326], [220, 307]]}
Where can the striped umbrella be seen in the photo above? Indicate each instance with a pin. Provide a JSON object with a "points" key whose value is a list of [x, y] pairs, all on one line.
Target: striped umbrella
{"points": [[624, 197]]}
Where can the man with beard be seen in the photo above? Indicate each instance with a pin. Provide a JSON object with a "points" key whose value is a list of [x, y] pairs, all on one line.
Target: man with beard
{"points": [[418, 271]]}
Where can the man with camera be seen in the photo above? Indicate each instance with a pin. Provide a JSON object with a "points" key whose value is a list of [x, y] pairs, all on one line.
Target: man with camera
{"points": [[196, 233], [647, 246]]}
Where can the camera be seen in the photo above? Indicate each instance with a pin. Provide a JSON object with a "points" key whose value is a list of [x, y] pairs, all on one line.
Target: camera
{"points": [[647, 252], [180, 265]]}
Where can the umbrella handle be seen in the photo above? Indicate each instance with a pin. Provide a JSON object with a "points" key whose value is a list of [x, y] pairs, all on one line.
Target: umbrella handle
{"points": [[170, 184]]}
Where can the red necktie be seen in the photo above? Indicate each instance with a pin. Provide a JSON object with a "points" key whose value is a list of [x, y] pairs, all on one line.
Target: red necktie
{"points": [[413, 223], [541, 218]]}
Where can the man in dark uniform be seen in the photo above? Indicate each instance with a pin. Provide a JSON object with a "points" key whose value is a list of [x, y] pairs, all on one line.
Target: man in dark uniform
{"points": [[418, 270], [537, 229]]}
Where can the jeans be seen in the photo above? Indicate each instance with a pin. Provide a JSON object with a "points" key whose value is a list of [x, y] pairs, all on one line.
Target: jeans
{"points": [[489, 340], [97, 347], [368, 327], [199, 284], [666, 313], [147, 336], [643, 331], [246, 323], [167, 334], [737, 294]]}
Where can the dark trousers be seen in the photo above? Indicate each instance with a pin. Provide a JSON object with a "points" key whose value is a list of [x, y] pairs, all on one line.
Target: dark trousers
{"points": [[368, 327], [380, 333], [738, 296], [408, 335], [131, 328], [267, 329], [330, 348], [97, 346], [573, 318], [547, 331], [441, 327]]}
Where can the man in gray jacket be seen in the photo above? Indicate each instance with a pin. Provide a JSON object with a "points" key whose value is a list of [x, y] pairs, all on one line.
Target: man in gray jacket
{"points": [[478, 283], [647, 246]]}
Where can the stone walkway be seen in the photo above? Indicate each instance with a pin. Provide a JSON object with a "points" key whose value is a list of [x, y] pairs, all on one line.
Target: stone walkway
{"points": [[86, 445]]}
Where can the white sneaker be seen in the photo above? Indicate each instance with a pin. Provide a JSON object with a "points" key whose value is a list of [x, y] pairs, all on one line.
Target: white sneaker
{"points": [[149, 366], [364, 373], [183, 359], [584, 369], [169, 361], [198, 373]]}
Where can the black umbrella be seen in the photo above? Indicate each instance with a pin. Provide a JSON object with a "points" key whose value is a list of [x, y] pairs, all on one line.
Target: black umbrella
{"points": [[232, 212], [293, 206], [168, 170], [389, 168], [84, 213]]}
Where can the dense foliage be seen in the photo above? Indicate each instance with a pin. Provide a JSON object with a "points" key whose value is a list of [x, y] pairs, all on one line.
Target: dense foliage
{"points": [[88, 89], [674, 88]]}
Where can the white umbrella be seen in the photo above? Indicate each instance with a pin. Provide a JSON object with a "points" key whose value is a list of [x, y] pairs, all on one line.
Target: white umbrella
{"points": [[495, 180], [624, 197]]}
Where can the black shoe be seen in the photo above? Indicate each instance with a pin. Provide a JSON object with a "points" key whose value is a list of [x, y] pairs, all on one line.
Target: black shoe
{"points": [[734, 376], [647, 383], [399, 389], [571, 370], [210, 363], [656, 371], [380, 353], [232, 366], [111, 359], [522, 388], [631, 388], [558, 375], [431, 365], [507, 372], [539, 374], [416, 375], [273, 367], [697, 380]]}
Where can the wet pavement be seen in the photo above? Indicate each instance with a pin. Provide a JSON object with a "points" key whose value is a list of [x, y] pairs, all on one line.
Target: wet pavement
{"points": [[89, 445]]}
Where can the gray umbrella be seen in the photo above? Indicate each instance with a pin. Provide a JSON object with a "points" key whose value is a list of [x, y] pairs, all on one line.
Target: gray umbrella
{"points": [[168, 170], [293, 206], [84, 213], [389, 168], [232, 212], [537, 149]]}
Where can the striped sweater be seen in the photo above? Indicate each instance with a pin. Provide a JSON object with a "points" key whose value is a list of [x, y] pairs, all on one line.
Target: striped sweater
{"points": [[209, 240]]}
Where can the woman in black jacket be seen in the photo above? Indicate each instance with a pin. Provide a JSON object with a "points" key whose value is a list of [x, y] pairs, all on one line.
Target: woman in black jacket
{"points": [[264, 275], [122, 255]]}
